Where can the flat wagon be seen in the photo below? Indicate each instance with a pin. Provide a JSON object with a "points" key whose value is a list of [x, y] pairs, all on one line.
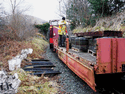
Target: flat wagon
{"points": [[99, 53]]}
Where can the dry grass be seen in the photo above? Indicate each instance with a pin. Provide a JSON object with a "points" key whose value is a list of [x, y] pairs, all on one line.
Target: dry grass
{"points": [[10, 49], [81, 29], [35, 85], [30, 84]]}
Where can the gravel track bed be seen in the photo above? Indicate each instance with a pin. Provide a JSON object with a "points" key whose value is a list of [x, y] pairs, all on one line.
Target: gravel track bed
{"points": [[69, 82]]}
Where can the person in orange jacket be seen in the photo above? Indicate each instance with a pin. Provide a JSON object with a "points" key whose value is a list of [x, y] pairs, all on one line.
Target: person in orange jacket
{"points": [[62, 32]]}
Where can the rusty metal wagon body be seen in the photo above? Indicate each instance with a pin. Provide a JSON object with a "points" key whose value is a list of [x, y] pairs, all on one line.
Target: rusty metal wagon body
{"points": [[107, 58]]}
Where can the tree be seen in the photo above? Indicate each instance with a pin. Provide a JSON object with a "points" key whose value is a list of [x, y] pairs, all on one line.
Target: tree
{"points": [[99, 7], [78, 11], [61, 9], [106, 7], [84, 12], [20, 23], [116, 5], [2, 20]]}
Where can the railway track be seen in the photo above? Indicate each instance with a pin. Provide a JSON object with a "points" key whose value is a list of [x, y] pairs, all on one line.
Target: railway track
{"points": [[70, 82], [105, 84], [39, 67], [108, 48]]}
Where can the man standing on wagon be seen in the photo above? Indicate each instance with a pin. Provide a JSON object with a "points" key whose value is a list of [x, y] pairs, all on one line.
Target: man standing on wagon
{"points": [[62, 32]]}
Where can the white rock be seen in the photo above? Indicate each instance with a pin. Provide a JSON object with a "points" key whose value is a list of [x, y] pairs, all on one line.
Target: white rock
{"points": [[16, 83], [16, 76], [24, 51], [11, 64], [14, 63], [18, 56], [2, 73], [2, 77], [18, 63], [23, 56], [30, 51], [10, 83]]}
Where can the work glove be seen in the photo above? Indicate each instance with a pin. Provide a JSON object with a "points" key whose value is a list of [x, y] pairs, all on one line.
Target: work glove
{"points": [[67, 35]]}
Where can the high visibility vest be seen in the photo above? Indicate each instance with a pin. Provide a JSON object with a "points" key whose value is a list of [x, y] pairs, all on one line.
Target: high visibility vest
{"points": [[62, 29], [59, 30]]}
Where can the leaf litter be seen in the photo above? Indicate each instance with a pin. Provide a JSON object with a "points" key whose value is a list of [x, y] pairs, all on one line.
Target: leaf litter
{"points": [[30, 84]]}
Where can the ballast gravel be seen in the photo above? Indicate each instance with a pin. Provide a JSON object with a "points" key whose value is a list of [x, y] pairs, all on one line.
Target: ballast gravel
{"points": [[69, 82]]}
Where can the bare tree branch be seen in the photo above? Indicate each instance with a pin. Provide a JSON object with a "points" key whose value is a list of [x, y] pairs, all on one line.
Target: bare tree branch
{"points": [[78, 11], [20, 22]]}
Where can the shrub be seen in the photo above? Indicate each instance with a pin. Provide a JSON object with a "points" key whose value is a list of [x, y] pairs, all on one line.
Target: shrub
{"points": [[43, 28]]}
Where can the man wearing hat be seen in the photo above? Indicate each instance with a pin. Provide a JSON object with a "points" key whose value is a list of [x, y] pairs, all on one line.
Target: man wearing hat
{"points": [[62, 32]]}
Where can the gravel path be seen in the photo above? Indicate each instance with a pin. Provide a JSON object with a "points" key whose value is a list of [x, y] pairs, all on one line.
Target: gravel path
{"points": [[70, 83]]}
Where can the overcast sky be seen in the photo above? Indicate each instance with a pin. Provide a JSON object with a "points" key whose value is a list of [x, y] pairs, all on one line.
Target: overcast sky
{"points": [[44, 9]]}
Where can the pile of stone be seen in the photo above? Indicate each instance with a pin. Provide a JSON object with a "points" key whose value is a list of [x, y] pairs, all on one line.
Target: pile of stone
{"points": [[15, 62], [9, 83]]}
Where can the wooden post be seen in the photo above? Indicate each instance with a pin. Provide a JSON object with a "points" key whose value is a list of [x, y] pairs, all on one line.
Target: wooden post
{"points": [[67, 45]]}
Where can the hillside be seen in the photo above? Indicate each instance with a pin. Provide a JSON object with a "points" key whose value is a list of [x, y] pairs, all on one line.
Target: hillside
{"points": [[35, 20], [115, 22], [32, 19]]}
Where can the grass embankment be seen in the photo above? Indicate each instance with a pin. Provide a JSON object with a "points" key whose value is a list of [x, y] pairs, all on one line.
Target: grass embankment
{"points": [[35, 85], [29, 84], [97, 28], [10, 49]]}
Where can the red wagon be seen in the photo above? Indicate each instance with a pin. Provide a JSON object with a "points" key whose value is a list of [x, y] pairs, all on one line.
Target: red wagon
{"points": [[109, 57]]}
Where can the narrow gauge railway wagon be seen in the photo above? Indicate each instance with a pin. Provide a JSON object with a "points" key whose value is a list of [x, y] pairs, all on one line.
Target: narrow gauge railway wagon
{"points": [[107, 53], [53, 31]]}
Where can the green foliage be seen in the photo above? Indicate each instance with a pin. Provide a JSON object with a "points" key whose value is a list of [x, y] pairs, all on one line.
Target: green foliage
{"points": [[85, 12], [72, 25], [106, 7], [99, 7], [92, 22], [43, 28]]}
